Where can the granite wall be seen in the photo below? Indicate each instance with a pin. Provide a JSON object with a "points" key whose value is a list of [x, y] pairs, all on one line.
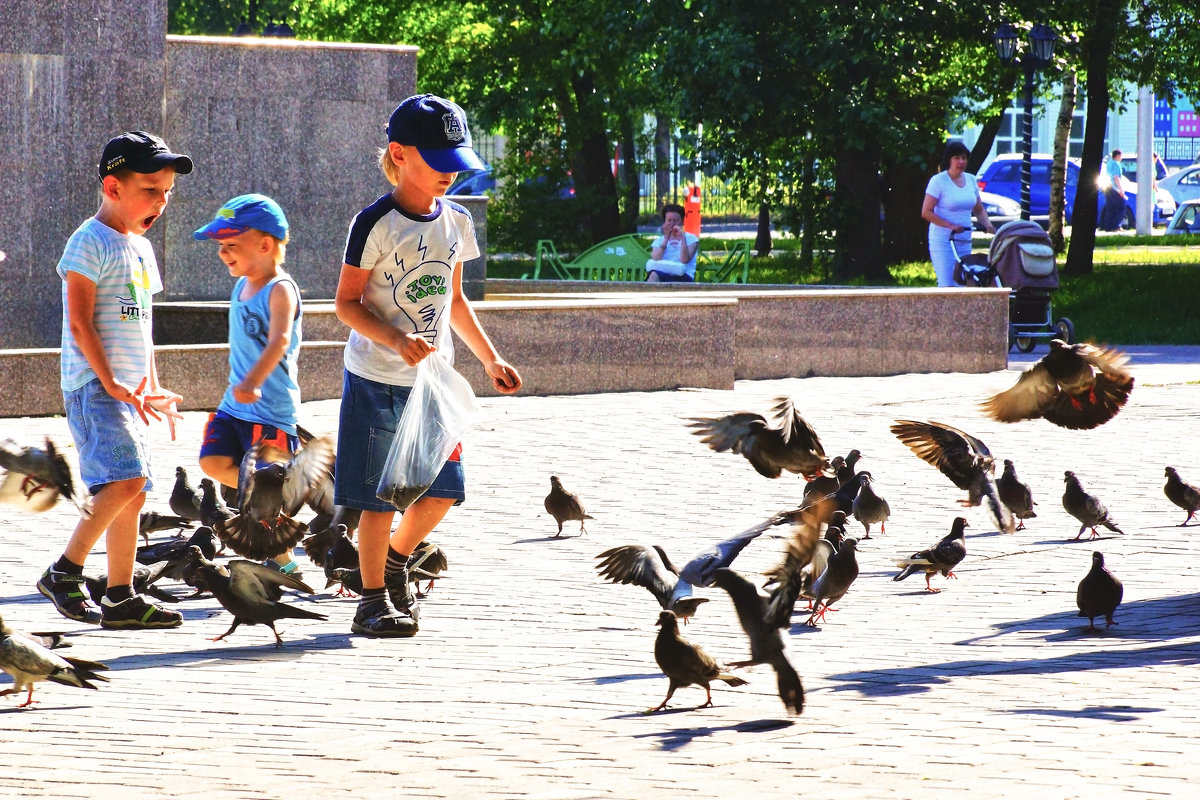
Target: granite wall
{"points": [[300, 121]]}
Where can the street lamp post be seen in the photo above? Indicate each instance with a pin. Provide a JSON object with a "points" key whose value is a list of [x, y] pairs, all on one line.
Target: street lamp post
{"points": [[1039, 54]]}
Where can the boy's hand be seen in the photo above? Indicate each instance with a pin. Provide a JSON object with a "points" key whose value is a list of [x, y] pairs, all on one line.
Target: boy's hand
{"points": [[413, 348], [504, 376], [159, 401], [135, 398], [247, 394]]}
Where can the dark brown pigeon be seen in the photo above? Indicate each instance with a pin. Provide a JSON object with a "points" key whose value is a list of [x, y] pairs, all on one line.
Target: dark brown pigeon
{"points": [[1099, 593], [564, 506], [962, 458], [684, 663], [1085, 507], [1182, 494], [785, 442], [804, 556], [942, 557], [1078, 386], [1015, 495]]}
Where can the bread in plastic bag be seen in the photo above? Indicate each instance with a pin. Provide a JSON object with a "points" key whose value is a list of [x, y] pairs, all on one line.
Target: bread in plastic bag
{"points": [[439, 410]]}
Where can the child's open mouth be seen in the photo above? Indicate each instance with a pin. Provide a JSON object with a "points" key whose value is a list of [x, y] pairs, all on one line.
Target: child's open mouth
{"points": [[148, 221]]}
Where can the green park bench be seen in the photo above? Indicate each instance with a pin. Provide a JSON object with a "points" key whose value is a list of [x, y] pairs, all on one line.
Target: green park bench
{"points": [[623, 258]]}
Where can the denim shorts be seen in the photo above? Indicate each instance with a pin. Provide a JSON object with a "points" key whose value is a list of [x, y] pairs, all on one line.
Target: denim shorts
{"points": [[369, 414], [226, 435], [112, 440]]}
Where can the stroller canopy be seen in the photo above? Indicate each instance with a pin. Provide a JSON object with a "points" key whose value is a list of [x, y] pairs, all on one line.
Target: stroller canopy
{"points": [[1022, 256]]}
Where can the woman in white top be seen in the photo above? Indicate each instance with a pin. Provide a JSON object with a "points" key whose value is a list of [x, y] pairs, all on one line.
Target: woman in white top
{"points": [[951, 198]]}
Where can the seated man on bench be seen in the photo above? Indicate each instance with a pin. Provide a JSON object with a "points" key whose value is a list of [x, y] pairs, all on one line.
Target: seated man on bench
{"points": [[673, 254]]}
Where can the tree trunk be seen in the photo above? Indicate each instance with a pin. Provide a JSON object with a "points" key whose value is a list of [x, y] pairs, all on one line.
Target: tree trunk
{"points": [[762, 239], [904, 232], [662, 161], [858, 245], [1097, 45], [630, 179], [595, 187], [1058, 169]]}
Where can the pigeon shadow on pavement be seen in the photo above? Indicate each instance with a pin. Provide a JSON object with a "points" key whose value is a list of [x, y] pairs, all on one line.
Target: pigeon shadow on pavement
{"points": [[1106, 713], [681, 737], [250, 651], [550, 538], [606, 679]]}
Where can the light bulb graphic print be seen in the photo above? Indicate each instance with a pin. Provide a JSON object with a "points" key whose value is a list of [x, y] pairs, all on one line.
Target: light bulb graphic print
{"points": [[422, 292]]}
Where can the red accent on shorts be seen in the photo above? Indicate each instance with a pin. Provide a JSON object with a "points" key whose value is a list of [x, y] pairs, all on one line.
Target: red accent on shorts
{"points": [[208, 438], [456, 454]]}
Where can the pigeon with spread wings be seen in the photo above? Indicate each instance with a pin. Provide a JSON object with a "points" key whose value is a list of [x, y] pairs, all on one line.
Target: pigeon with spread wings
{"points": [[962, 458], [36, 477], [29, 661], [789, 444], [1078, 386]]}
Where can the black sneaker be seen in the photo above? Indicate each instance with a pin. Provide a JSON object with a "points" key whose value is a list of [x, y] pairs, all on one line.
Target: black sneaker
{"points": [[400, 593], [137, 613], [383, 620], [66, 592]]}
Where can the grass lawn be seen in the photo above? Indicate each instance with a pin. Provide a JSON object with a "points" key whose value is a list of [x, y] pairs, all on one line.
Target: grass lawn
{"points": [[1142, 291]]}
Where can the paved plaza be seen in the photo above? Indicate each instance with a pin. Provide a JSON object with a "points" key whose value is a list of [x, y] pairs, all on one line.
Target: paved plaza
{"points": [[530, 675]]}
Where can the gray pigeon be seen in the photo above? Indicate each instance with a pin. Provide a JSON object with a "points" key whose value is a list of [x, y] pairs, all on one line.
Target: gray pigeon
{"points": [[684, 663], [144, 578], [326, 533], [29, 661], [1015, 495], [152, 521], [651, 568], [213, 510], [1077, 386], [1182, 494], [249, 591], [564, 506], [942, 557], [766, 641], [869, 507], [962, 458], [36, 477], [785, 442], [1099, 593], [185, 498], [833, 583], [272, 487], [1085, 507]]}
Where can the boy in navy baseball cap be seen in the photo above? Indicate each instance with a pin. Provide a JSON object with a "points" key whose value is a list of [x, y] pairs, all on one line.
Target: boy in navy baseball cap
{"points": [[437, 128]]}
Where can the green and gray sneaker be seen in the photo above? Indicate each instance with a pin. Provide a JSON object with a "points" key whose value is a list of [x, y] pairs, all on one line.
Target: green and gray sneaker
{"points": [[136, 613], [66, 591]]}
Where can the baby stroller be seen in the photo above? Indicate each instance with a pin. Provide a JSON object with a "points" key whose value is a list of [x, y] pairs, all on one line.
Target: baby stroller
{"points": [[1022, 259]]}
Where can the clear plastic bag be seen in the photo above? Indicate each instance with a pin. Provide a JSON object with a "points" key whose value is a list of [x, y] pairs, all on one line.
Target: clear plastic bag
{"points": [[439, 410]]}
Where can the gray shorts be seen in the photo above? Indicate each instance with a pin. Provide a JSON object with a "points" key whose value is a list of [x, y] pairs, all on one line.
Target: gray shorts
{"points": [[112, 440]]}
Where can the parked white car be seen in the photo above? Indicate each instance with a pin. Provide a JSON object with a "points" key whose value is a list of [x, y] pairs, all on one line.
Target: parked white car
{"points": [[1183, 184]]}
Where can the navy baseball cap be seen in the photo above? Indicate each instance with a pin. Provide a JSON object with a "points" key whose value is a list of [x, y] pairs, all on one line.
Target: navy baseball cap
{"points": [[243, 213], [438, 129], [140, 152]]}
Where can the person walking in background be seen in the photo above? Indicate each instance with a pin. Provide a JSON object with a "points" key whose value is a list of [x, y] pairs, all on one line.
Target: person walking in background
{"points": [[263, 397], [400, 292], [951, 199], [1114, 194], [109, 377]]}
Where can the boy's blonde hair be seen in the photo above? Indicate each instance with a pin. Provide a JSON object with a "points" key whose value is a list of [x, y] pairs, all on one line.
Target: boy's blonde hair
{"points": [[279, 248], [390, 170]]}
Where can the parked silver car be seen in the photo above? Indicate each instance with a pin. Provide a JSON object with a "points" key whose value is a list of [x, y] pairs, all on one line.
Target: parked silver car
{"points": [[1182, 184]]}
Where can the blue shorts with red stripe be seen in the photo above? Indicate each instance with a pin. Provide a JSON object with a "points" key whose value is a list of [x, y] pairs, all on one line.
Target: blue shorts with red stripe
{"points": [[226, 435]]}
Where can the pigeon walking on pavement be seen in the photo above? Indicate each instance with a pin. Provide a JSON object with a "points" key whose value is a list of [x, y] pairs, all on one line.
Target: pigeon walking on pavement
{"points": [[185, 498], [1085, 507], [869, 507], [1015, 494], [684, 663], [962, 458], [152, 521], [565, 506], [213, 510], [1077, 386], [832, 584], [943, 557], [767, 645], [1099, 593], [29, 661], [785, 442], [273, 485], [250, 591], [36, 477], [1182, 494]]}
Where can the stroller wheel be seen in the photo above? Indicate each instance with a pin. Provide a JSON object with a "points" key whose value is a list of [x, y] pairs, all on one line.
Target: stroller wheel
{"points": [[1025, 344], [1065, 330]]}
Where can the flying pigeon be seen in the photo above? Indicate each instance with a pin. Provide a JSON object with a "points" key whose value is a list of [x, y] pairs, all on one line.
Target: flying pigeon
{"points": [[564, 506], [962, 458], [684, 663], [785, 442], [943, 557], [249, 591], [29, 661], [766, 641], [36, 478], [341, 524], [272, 487], [805, 555], [1015, 495], [1099, 593], [1077, 386], [1182, 494], [1085, 507]]}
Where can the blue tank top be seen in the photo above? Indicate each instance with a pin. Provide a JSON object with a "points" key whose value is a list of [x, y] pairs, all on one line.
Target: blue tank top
{"points": [[249, 328]]}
